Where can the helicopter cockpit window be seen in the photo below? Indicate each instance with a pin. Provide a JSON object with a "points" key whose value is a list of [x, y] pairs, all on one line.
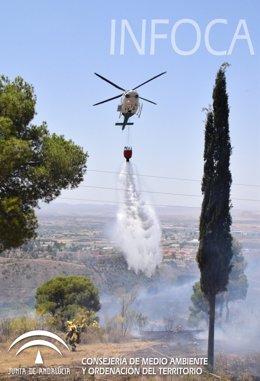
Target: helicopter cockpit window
{"points": [[127, 96]]}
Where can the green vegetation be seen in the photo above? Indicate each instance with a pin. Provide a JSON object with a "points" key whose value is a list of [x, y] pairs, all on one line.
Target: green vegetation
{"points": [[199, 308], [11, 328], [34, 164], [236, 290], [66, 298], [215, 246], [238, 284]]}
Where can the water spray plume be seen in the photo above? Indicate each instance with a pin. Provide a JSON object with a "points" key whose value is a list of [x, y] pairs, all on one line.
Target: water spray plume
{"points": [[138, 230]]}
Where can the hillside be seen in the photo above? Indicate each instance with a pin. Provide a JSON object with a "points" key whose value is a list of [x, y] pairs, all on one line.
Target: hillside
{"points": [[19, 278]]}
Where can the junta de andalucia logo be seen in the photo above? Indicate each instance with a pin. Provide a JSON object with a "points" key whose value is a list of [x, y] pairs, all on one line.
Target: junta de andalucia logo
{"points": [[38, 343]]}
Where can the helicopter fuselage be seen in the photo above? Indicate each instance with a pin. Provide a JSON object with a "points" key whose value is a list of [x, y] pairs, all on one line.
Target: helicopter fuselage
{"points": [[129, 103]]}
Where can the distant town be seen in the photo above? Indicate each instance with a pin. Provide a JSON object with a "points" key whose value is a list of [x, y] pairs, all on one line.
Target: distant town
{"points": [[78, 240], [77, 237]]}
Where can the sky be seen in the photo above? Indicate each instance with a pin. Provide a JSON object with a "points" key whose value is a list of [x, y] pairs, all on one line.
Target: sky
{"points": [[58, 45]]}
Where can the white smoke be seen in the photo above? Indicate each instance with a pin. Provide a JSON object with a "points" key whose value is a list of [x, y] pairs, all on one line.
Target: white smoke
{"points": [[138, 230]]}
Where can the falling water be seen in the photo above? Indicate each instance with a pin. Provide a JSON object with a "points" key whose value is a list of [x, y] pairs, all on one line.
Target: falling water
{"points": [[138, 231]]}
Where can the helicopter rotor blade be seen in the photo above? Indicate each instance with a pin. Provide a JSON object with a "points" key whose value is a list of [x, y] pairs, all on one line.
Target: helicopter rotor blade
{"points": [[111, 83], [151, 79], [147, 100], [107, 100]]}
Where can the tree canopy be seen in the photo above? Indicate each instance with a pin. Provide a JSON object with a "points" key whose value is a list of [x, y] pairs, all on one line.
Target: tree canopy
{"points": [[215, 248], [34, 164], [236, 290], [64, 297], [215, 240]]}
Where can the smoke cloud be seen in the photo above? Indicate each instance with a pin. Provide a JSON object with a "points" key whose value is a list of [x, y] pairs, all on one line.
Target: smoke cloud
{"points": [[138, 232]]}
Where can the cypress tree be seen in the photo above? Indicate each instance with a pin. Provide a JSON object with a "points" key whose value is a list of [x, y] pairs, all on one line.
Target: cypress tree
{"points": [[215, 248]]}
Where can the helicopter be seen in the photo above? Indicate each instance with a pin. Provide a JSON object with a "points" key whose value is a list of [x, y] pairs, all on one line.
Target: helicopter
{"points": [[130, 104]]}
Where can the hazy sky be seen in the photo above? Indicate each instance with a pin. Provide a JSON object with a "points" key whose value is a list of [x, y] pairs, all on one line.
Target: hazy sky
{"points": [[58, 45]]}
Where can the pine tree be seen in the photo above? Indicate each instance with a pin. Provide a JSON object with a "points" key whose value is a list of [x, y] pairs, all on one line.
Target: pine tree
{"points": [[215, 248], [34, 164]]}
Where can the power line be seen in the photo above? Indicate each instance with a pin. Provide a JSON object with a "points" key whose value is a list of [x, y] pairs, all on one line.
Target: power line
{"points": [[168, 177], [140, 191], [121, 202], [164, 193], [140, 175]]}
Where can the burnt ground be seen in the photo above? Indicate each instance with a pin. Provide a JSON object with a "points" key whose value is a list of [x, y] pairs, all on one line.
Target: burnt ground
{"points": [[235, 365], [229, 366]]}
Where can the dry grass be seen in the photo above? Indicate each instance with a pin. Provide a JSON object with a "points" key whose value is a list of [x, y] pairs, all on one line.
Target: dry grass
{"points": [[229, 367], [73, 359]]}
